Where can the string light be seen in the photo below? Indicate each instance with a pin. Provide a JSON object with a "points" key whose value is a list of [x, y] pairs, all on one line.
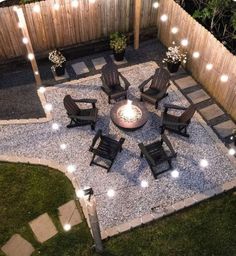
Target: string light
{"points": [[174, 30], [30, 56], [36, 8], [184, 42], [56, 6], [74, 3], [174, 174], [55, 126], [155, 5], [25, 40], [204, 163], [164, 18], [196, 55], [71, 168], [63, 146], [209, 66], [110, 193], [67, 227], [144, 184], [224, 78]]}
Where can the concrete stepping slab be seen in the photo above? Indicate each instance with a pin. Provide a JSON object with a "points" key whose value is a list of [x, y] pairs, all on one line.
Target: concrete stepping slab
{"points": [[80, 68], [59, 78], [198, 96], [43, 228], [99, 63], [225, 129], [124, 61], [17, 246], [69, 214], [211, 112], [185, 82]]}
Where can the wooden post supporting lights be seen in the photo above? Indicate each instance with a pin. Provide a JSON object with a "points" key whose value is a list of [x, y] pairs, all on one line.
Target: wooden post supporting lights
{"points": [[137, 20], [26, 40]]}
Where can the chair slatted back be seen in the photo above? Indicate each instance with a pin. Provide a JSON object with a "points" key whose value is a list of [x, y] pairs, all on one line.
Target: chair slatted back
{"points": [[110, 75], [70, 106], [161, 79], [188, 114]]}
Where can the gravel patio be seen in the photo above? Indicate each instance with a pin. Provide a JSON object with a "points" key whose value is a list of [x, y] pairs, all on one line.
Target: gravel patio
{"points": [[129, 170]]}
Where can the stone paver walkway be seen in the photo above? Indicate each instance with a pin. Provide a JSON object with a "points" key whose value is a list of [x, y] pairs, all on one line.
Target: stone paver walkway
{"points": [[17, 246], [69, 214], [43, 228]]}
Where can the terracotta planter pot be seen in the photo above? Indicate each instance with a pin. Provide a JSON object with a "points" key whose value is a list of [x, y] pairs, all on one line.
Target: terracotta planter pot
{"points": [[60, 71], [119, 56], [173, 67]]}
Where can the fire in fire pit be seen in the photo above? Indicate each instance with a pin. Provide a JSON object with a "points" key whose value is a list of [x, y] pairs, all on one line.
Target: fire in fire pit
{"points": [[129, 112]]}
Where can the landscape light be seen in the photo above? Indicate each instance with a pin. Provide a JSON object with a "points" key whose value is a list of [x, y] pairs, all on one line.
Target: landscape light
{"points": [[63, 146], [144, 184], [110, 193], [67, 227], [164, 18], [209, 66], [42, 89], [232, 151], [174, 174], [224, 78], [155, 5], [204, 163], [88, 191], [48, 107], [55, 126]]}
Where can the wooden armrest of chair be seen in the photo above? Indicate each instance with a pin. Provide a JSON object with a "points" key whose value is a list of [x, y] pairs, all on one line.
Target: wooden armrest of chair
{"points": [[172, 106], [127, 84], [96, 137], [142, 85], [147, 156]]}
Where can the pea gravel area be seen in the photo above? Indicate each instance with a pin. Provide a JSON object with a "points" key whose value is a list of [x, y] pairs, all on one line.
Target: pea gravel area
{"points": [[130, 200]]}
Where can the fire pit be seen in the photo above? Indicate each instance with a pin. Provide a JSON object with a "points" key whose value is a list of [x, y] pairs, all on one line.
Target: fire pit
{"points": [[130, 115]]}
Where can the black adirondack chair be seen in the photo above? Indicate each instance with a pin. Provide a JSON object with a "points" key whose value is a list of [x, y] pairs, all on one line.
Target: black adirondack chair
{"points": [[156, 154], [111, 84], [157, 90], [177, 124], [106, 148], [78, 116]]}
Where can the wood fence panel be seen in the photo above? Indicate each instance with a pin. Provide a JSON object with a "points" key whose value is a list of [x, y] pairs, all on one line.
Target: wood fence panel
{"points": [[210, 49]]}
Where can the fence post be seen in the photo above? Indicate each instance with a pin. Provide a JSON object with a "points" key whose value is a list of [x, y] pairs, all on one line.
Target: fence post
{"points": [[137, 19], [28, 44]]}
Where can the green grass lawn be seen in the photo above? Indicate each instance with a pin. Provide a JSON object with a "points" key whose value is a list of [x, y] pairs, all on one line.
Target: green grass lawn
{"points": [[28, 191]]}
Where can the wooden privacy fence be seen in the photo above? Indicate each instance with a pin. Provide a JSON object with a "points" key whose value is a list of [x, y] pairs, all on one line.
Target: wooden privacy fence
{"points": [[210, 49], [51, 28]]}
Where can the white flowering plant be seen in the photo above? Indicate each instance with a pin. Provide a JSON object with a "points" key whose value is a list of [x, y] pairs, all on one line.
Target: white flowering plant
{"points": [[57, 58], [175, 55]]}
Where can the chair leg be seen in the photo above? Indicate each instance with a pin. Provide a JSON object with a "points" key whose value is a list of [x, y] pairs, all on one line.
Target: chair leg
{"points": [[141, 154], [141, 99], [92, 126], [162, 129], [109, 100], [109, 168], [91, 162], [170, 164], [156, 105]]}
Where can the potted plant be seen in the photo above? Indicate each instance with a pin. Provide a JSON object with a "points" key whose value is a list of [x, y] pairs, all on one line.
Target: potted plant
{"points": [[59, 62], [174, 57], [118, 43]]}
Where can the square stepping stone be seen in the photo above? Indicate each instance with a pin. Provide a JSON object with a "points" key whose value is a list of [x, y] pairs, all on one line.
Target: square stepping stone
{"points": [[69, 214], [99, 63], [185, 82], [43, 228], [225, 129], [17, 246], [198, 96], [59, 78], [80, 68], [211, 112], [124, 61]]}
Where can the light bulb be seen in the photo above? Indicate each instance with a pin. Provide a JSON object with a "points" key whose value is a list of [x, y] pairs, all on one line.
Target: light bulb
{"points": [[56, 6], [144, 184], [48, 107], [174, 174], [224, 78], [67, 227], [42, 89], [174, 30], [71, 168], [74, 3], [155, 5], [164, 18], [30, 56], [209, 66], [184, 42], [110, 193], [232, 151], [204, 163], [196, 55]]}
